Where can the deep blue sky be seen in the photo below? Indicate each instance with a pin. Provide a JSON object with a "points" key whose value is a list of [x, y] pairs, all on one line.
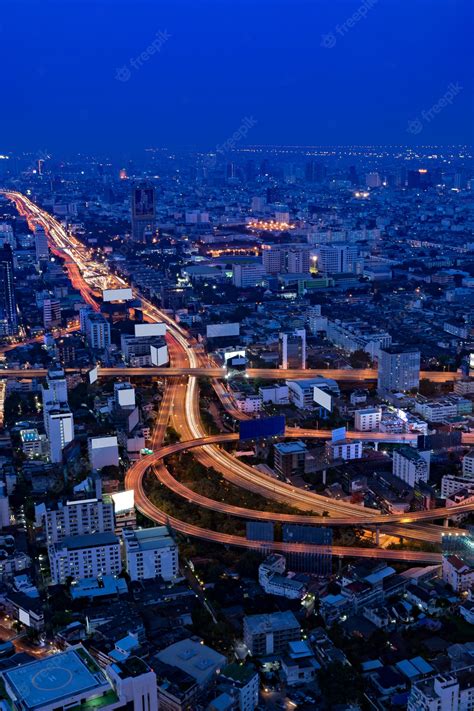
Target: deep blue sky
{"points": [[225, 60]]}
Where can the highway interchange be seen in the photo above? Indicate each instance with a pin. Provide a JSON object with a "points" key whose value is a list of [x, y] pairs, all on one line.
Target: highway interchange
{"points": [[180, 406]]}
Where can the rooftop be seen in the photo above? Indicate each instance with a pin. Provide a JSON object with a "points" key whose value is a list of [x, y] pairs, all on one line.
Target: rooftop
{"points": [[89, 540], [275, 621], [148, 539], [194, 658], [51, 680]]}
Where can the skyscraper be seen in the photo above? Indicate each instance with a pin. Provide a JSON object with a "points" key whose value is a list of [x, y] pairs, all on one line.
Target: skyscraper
{"points": [[143, 211], [399, 369], [41, 245], [8, 314], [292, 349]]}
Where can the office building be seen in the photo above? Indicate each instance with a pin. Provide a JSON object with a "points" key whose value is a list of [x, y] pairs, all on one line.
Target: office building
{"points": [[345, 449], [468, 464], [150, 553], [87, 556], [399, 369], [140, 351], [337, 258], [246, 276], [32, 444], [7, 236], [273, 260], [448, 691], [143, 212], [103, 452], [314, 172], [41, 245], [8, 312], [59, 425], [292, 349], [73, 679], [51, 313], [4, 507], [368, 419], [373, 180], [411, 466], [76, 518], [270, 634], [298, 261], [54, 391], [289, 458], [301, 392], [96, 329]]}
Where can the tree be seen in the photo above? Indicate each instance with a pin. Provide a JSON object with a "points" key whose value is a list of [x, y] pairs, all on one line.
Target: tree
{"points": [[340, 684]]}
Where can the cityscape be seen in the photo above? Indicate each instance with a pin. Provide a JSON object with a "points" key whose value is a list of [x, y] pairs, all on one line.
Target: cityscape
{"points": [[236, 363]]}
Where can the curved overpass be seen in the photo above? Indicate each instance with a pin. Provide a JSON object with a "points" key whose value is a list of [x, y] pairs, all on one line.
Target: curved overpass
{"points": [[358, 516], [155, 514]]}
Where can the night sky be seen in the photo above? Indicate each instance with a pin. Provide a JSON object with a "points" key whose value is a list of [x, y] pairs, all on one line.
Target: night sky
{"points": [[319, 72]]}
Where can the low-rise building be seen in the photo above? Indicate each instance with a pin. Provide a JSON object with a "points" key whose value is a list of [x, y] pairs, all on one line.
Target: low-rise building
{"points": [[273, 580], [270, 634], [411, 466], [457, 573], [150, 553], [367, 420], [452, 691]]}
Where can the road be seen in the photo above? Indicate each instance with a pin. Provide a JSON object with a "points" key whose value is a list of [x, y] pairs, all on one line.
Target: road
{"points": [[206, 372], [181, 402]]}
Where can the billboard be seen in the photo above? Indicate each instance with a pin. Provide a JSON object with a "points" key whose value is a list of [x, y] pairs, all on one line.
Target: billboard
{"points": [[338, 435], [217, 330], [123, 501], [159, 355], [322, 398], [299, 533], [117, 295], [260, 531], [263, 427], [238, 353], [471, 361], [93, 375], [150, 329]]}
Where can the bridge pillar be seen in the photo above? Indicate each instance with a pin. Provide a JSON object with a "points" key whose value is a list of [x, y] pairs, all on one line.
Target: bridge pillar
{"points": [[324, 476], [377, 535], [446, 523], [376, 446]]}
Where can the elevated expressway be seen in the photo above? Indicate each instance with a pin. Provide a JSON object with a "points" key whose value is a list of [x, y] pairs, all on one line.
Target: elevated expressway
{"points": [[343, 375], [181, 404]]}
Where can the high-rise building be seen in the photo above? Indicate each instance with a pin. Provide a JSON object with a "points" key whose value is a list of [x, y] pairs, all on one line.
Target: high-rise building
{"points": [[373, 180], [41, 244], [298, 261], [7, 236], [314, 172], [411, 466], [89, 556], [8, 313], [51, 312], [59, 425], [57, 417], [292, 348], [76, 518], [273, 260], [143, 211], [96, 329], [337, 258], [248, 275], [399, 369], [448, 691], [150, 553]]}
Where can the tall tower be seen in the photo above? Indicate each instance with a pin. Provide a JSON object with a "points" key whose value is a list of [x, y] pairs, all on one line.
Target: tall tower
{"points": [[143, 211], [8, 313]]}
